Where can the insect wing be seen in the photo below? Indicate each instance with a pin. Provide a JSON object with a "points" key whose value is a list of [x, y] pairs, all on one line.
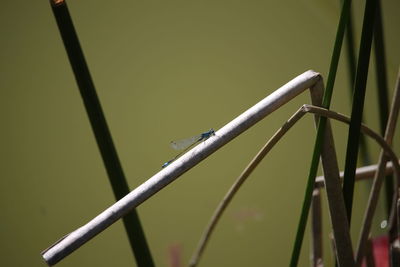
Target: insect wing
{"points": [[185, 143]]}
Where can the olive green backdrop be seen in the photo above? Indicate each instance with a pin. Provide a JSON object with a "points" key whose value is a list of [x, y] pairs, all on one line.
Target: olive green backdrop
{"points": [[166, 70]]}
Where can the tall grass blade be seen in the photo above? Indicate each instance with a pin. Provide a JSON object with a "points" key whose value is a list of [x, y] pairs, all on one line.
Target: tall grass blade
{"points": [[99, 125], [382, 87], [358, 105], [351, 63], [320, 132]]}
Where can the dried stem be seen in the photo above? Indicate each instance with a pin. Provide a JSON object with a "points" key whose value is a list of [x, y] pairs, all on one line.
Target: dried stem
{"points": [[316, 229], [264, 151], [362, 173], [379, 176], [190, 159]]}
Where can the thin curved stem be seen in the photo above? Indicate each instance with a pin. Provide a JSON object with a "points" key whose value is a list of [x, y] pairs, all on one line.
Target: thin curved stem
{"points": [[239, 181]]}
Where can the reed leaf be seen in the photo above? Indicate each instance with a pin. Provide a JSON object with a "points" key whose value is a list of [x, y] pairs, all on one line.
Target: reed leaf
{"points": [[351, 63], [358, 105], [382, 92], [320, 132], [100, 129]]}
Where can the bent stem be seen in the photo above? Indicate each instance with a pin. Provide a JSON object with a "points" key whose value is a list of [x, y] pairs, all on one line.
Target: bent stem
{"points": [[344, 15], [161, 179]]}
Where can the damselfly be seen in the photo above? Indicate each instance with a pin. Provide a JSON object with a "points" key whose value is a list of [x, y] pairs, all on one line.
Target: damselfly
{"points": [[185, 144]]}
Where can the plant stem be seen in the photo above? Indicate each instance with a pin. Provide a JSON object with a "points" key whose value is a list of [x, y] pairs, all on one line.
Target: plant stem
{"points": [[101, 131], [320, 132], [358, 105]]}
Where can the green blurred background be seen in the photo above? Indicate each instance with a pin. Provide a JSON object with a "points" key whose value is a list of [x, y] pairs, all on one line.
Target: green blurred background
{"points": [[166, 70]]}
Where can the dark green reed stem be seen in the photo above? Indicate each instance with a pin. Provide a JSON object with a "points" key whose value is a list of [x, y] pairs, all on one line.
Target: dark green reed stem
{"points": [[351, 63], [383, 104], [382, 87], [358, 105], [99, 125], [320, 132]]}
